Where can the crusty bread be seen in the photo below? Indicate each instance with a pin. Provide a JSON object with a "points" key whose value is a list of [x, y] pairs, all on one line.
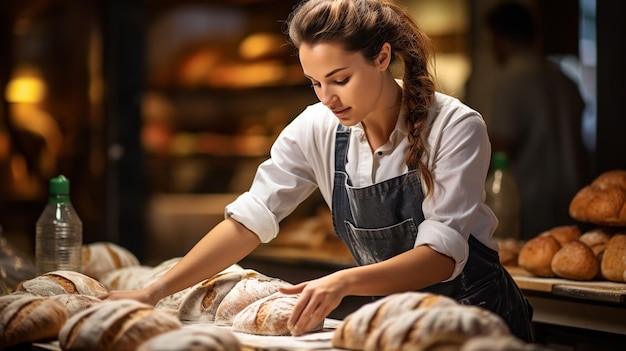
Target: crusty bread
{"points": [[245, 292], [208, 338], [613, 265], [536, 255], [115, 325], [28, 318], [597, 239], [603, 202], [126, 278], [75, 303], [200, 303], [268, 316], [411, 329], [563, 234], [62, 282], [100, 258], [575, 260], [500, 343], [353, 331]]}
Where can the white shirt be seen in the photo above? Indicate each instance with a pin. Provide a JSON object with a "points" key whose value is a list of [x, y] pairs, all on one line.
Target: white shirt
{"points": [[302, 159]]}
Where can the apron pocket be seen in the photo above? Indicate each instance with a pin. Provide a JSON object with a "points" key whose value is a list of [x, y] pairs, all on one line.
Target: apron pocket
{"points": [[375, 245]]}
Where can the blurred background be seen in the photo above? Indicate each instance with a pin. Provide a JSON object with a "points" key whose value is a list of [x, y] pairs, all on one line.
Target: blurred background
{"points": [[159, 111]]}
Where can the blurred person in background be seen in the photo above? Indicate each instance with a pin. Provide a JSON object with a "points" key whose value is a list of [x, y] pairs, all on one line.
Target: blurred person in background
{"points": [[536, 119]]}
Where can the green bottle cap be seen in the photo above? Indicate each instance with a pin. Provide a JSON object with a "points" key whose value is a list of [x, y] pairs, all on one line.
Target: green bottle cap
{"points": [[60, 185], [499, 160]]}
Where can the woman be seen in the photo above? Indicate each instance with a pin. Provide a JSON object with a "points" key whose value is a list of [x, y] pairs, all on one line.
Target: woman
{"points": [[402, 167]]}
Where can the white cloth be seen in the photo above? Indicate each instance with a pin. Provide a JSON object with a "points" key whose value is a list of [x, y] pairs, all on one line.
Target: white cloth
{"points": [[537, 113], [302, 159]]}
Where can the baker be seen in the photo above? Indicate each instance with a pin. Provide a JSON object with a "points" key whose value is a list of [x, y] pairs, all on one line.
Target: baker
{"points": [[401, 166]]}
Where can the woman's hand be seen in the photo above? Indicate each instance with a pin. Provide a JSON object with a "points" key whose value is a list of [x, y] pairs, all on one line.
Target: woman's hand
{"points": [[318, 298]]}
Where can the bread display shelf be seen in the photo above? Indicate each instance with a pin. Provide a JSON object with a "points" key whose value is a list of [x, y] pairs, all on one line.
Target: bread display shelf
{"points": [[601, 291]]}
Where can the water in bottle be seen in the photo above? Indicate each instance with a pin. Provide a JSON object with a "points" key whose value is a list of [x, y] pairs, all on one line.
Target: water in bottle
{"points": [[503, 197], [59, 231]]}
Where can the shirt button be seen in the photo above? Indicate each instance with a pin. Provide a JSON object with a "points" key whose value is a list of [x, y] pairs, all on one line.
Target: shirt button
{"points": [[380, 153]]}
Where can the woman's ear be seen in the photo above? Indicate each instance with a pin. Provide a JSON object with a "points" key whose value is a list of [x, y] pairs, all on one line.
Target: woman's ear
{"points": [[383, 59]]}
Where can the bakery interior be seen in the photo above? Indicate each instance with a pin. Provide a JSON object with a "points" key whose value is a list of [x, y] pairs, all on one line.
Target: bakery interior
{"points": [[159, 112]]}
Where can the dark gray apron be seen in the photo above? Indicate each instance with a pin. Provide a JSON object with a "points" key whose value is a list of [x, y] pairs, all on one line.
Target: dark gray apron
{"points": [[380, 221]]}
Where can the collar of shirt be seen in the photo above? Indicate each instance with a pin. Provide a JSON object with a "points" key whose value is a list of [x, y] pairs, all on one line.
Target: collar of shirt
{"points": [[366, 167]]}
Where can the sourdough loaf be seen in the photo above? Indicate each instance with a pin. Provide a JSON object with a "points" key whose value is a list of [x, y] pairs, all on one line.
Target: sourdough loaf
{"points": [[200, 303], [563, 234], [268, 316], [353, 331], [100, 258], [410, 330], [245, 292], [115, 325], [28, 318], [127, 278], [575, 260], [206, 339], [62, 282], [603, 202], [75, 303], [537, 253], [613, 265], [500, 343]]}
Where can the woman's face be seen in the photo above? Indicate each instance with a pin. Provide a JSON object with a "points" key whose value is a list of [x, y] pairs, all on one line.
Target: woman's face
{"points": [[348, 84]]}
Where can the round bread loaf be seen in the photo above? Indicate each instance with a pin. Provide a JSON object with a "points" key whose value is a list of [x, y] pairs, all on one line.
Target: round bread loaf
{"points": [[575, 260], [597, 239], [613, 265], [245, 292], [115, 325], [127, 278], [354, 330], [75, 303], [28, 318], [536, 255], [410, 330], [205, 339], [62, 282], [200, 303], [100, 258], [603, 202], [563, 234], [268, 316]]}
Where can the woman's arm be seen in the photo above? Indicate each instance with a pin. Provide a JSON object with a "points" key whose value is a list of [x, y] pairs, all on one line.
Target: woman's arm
{"points": [[224, 245]]}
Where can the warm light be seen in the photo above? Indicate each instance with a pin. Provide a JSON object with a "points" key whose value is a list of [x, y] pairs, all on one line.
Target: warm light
{"points": [[26, 86], [261, 45]]}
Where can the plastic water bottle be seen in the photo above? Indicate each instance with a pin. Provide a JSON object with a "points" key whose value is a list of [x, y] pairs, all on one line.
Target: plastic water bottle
{"points": [[59, 231], [503, 197]]}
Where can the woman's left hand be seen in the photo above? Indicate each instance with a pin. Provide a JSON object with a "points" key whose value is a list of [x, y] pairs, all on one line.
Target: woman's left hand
{"points": [[318, 298]]}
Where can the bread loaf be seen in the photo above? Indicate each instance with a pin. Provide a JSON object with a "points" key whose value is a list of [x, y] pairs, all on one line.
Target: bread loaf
{"points": [[411, 329], [597, 239], [208, 338], [200, 303], [603, 202], [613, 265], [75, 303], [62, 282], [500, 343], [28, 318], [245, 292], [268, 316], [575, 260], [100, 258], [563, 234], [536, 255], [353, 331], [127, 278], [115, 325]]}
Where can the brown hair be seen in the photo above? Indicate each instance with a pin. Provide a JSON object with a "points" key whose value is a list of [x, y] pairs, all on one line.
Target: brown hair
{"points": [[364, 26]]}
